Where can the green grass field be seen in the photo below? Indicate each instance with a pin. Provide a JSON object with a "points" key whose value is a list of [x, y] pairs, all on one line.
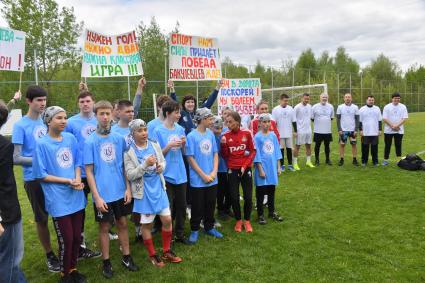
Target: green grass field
{"points": [[341, 225]]}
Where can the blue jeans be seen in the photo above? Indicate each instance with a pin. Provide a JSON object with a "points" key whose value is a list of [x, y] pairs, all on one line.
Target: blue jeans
{"points": [[11, 253]]}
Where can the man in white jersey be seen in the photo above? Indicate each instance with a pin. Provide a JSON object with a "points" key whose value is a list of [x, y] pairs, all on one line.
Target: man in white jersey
{"points": [[322, 114], [347, 121], [394, 116], [370, 129], [303, 116], [284, 115]]}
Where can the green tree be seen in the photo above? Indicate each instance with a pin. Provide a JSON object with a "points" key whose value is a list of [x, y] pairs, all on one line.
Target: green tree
{"points": [[53, 32], [382, 68]]}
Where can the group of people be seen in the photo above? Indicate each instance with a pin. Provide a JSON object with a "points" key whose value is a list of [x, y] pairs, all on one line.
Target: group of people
{"points": [[351, 122], [185, 158]]}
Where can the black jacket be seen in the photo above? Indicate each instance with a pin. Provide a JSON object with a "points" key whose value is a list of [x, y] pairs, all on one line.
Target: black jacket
{"points": [[10, 211]]}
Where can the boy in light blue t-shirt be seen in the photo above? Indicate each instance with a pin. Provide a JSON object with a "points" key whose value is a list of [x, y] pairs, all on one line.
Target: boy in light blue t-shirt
{"points": [[267, 165], [25, 134], [172, 140], [103, 158]]}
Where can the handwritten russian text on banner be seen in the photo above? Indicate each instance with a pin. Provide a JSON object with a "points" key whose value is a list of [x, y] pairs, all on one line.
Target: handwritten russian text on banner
{"points": [[193, 58], [12, 49], [111, 55], [242, 94]]}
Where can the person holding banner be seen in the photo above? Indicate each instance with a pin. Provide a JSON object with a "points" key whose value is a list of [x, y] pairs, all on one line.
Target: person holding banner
{"points": [[103, 158], [57, 165], [11, 234], [26, 132], [16, 97], [189, 105], [238, 149], [82, 125]]}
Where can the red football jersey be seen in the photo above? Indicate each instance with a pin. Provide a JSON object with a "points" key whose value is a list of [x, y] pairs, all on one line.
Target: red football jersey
{"points": [[238, 149], [273, 127]]}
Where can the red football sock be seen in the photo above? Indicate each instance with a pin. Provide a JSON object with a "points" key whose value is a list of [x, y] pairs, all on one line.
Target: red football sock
{"points": [[149, 246], [166, 240]]}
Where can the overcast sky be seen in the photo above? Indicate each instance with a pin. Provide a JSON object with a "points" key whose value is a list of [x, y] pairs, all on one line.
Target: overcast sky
{"points": [[271, 31]]}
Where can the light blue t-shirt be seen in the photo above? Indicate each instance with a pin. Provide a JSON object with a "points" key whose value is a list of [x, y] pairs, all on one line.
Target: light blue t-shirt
{"points": [[81, 128], [26, 132], [60, 159], [175, 171], [155, 198], [107, 154], [125, 132], [153, 124], [268, 153], [202, 147]]}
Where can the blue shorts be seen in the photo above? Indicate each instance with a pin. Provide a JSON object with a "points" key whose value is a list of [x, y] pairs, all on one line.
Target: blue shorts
{"points": [[343, 138]]}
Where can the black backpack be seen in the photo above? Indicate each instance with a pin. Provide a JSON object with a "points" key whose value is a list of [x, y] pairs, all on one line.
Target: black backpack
{"points": [[412, 162]]}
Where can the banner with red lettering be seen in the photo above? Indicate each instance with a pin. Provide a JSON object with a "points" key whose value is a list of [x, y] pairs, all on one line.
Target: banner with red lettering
{"points": [[242, 94], [12, 50], [111, 55], [193, 58]]}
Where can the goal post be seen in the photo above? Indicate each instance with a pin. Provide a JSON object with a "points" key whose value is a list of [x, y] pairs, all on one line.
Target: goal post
{"points": [[273, 94]]}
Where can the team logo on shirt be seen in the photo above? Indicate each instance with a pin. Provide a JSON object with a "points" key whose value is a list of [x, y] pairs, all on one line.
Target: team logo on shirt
{"points": [[39, 132], [64, 157], [173, 138], [244, 139], [87, 130], [205, 146], [268, 147], [107, 152]]}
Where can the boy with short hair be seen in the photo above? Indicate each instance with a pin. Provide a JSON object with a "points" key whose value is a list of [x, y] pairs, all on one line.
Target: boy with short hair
{"points": [[57, 166], [201, 152], [82, 125], [172, 139], [267, 162], [25, 134], [126, 115], [103, 158]]}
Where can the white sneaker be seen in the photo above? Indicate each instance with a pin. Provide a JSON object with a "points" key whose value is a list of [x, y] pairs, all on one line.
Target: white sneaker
{"points": [[217, 224]]}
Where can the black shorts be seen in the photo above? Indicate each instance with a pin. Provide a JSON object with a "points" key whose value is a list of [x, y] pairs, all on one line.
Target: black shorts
{"points": [[373, 140], [116, 209], [322, 137], [36, 197]]}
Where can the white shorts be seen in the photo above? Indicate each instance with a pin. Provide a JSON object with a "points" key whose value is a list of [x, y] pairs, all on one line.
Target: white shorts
{"points": [[304, 138], [285, 142], [149, 218]]}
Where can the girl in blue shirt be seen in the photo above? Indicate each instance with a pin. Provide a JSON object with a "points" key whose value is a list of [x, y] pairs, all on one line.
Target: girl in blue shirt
{"points": [[57, 164], [267, 165], [201, 152]]}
